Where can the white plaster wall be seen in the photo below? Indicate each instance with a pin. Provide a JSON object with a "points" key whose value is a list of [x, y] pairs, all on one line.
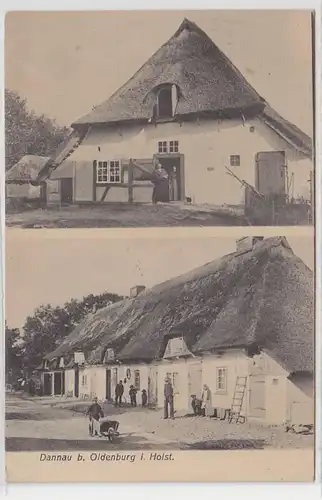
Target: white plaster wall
{"points": [[70, 382], [236, 364], [181, 396], [85, 390], [207, 147], [144, 373], [83, 183], [300, 401]]}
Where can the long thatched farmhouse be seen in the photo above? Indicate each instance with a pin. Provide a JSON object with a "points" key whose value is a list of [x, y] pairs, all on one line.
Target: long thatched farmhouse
{"points": [[248, 314], [190, 109]]}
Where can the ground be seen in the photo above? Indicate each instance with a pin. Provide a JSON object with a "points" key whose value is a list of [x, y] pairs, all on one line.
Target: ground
{"points": [[124, 215], [60, 424]]}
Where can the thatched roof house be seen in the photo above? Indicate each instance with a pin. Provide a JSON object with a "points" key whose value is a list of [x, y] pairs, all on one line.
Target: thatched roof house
{"points": [[207, 83], [258, 298], [27, 169]]}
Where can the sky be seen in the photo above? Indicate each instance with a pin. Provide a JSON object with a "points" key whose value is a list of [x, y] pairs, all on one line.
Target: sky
{"points": [[55, 266], [64, 63]]}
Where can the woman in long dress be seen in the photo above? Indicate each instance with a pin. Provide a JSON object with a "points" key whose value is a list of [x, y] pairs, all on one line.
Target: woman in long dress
{"points": [[173, 185], [206, 404], [160, 179]]}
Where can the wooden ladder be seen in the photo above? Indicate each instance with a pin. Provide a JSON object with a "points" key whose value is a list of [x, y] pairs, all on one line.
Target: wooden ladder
{"points": [[237, 403]]}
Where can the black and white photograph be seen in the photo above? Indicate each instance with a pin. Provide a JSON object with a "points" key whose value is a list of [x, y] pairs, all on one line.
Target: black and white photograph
{"points": [[211, 349], [164, 118], [159, 196]]}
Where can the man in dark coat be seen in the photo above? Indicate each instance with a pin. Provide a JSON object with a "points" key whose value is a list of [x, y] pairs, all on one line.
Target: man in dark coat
{"points": [[168, 398], [119, 390]]}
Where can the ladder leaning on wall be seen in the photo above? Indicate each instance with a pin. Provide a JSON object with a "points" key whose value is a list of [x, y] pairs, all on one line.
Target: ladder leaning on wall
{"points": [[237, 402]]}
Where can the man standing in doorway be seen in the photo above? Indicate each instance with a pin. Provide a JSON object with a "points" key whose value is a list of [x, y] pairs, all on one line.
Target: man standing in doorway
{"points": [[168, 398], [119, 390]]}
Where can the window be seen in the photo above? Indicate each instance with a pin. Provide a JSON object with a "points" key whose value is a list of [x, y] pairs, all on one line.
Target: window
{"points": [[234, 160], [163, 147], [137, 379], [221, 382], [115, 171], [164, 102], [175, 347], [174, 146], [84, 380], [108, 172]]}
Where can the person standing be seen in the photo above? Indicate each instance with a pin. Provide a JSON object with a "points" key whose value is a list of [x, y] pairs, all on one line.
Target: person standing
{"points": [[119, 390], [95, 413], [206, 404], [144, 398], [132, 394], [168, 399], [173, 185], [160, 180]]}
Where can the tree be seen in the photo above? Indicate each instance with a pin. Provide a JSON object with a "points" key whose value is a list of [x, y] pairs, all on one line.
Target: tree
{"points": [[28, 133], [13, 353], [50, 325]]}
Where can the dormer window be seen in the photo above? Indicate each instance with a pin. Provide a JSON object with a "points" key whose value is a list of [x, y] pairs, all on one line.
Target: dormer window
{"points": [[167, 99], [176, 347]]}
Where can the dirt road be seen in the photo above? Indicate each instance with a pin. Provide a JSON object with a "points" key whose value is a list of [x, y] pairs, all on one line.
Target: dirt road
{"points": [[40, 424], [123, 215]]}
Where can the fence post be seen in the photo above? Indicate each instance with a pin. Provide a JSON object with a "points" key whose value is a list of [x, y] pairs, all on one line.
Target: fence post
{"points": [[131, 181]]}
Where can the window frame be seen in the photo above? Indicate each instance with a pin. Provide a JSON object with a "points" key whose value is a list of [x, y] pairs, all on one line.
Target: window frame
{"points": [[162, 147], [104, 173], [164, 88], [173, 146], [235, 160], [137, 374], [219, 389]]}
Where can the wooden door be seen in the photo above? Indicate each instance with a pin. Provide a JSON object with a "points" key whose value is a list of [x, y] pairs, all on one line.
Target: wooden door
{"points": [[63, 381], [57, 383], [257, 396], [108, 392], [66, 190], [153, 386], [76, 383], [195, 380], [270, 173], [47, 384]]}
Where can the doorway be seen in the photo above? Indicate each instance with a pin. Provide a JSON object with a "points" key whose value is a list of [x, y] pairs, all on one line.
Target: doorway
{"points": [[76, 383], [270, 173], [108, 392], [257, 396], [58, 383], [174, 165], [66, 191], [47, 384], [194, 381]]}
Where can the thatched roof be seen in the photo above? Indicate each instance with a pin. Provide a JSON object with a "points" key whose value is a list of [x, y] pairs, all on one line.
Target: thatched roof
{"points": [[207, 81], [292, 134], [262, 297], [64, 150], [208, 85], [26, 169]]}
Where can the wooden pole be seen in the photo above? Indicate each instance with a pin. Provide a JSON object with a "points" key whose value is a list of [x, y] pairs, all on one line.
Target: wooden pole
{"points": [[131, 181]]}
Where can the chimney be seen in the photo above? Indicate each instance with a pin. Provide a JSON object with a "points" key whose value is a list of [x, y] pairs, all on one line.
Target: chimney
{"points": [[247, 243], [136, 290]]}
